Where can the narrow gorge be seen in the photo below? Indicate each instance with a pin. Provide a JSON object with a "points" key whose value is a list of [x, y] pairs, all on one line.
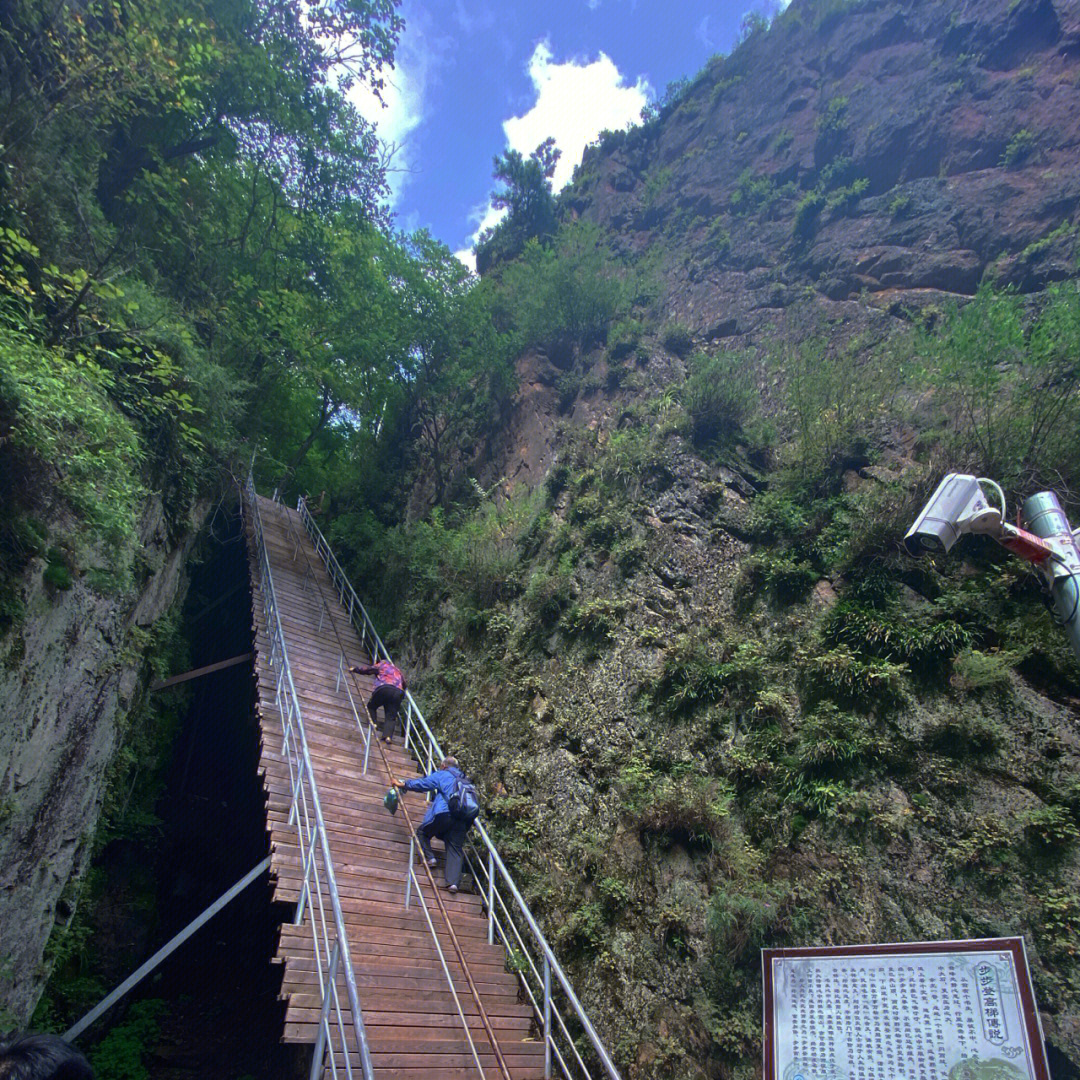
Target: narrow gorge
{"points": [[627, 506]]}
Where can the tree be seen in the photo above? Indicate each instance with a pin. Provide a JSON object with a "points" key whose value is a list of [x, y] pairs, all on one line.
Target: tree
{"points": [[526, 194], [458, 371], [161, 165]]}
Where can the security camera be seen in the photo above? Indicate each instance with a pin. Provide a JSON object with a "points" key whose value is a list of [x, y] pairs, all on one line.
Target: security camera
{"points": [[958, 506]]}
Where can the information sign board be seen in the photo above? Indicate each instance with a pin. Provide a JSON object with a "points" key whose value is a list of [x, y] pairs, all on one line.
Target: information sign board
{"points": [[938, 1010]]}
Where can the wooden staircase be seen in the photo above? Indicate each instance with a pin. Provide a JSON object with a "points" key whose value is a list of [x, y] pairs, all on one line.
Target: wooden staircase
{"points": [[413, 1027]]}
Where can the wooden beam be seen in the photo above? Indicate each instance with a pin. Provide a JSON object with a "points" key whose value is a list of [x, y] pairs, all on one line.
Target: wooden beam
{"points": [[196, 672]]}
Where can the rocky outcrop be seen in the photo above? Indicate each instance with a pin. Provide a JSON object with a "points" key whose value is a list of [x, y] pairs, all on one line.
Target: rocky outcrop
{"points": [[858, 147], [69, 673], [861, 159]]}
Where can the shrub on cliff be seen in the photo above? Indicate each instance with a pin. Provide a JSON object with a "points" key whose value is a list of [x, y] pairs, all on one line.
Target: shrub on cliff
{"points": [[718, 397], [1008, 383], [564, 296], [60, 421]]}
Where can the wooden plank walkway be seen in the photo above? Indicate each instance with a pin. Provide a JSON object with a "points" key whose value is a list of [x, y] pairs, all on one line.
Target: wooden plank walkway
{"points": [[413, 1027]]}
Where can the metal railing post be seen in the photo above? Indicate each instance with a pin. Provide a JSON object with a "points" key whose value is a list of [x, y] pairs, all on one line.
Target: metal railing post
{"points": [[409, 872], [320, 1042], [547, 1019], [449, 978], [305, 891], [491, 900]]}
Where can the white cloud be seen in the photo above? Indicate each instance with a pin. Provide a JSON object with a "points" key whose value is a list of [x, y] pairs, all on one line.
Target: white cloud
{"points": [[486, 216], [575, 101], [473, 20], [702, 33], [467, 258]]}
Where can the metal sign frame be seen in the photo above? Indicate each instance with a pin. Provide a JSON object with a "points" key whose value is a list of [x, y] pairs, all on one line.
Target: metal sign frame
{"points": [[1011, 945]]}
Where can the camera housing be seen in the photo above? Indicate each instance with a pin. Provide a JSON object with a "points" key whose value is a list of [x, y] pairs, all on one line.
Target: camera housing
{"points": [[958, 506]]}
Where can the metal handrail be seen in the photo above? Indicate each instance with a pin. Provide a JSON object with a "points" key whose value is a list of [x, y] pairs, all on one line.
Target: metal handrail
{"points": [[306, 811], [428, 753]]}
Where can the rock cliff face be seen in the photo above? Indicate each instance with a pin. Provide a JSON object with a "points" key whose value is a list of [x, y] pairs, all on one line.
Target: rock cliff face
{"points": [[70, 673], [859, 161], [662, 705], [858, 146]]}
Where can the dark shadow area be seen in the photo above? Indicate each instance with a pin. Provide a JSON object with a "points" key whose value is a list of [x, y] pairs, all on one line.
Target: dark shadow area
{"points": [[213, 1005], [222, 1020]]}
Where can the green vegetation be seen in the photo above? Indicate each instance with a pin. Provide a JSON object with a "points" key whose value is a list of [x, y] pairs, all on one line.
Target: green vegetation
{"points": [[119, 1056], [623, 338], [526, 194], [836, 189], [677, 339], [562, 296], [783, 141], [828, 13], [719, 397], [753, 194], [839, 699], [901, 204], [832, 130], [806, 214], [1007, 385], [1019, 148]]}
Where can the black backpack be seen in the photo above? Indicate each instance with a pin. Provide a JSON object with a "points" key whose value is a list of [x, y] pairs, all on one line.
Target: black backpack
{"points": [[463, 802]]}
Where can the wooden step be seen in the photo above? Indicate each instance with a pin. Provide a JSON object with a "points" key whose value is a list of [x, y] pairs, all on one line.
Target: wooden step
{"points": [[368, 975]]}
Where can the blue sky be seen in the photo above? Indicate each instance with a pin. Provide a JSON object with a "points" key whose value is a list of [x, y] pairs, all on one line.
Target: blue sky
{"points": [[475, 77]]}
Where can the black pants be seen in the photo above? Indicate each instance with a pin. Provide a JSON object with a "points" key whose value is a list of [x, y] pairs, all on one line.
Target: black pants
{"points": [[452, 833], [389, 697]]}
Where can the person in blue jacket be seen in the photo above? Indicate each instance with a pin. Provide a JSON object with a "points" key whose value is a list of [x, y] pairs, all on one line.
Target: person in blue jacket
{"points": [[438, 821]]}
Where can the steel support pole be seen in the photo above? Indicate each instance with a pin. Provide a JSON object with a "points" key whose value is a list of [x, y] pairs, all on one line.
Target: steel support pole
{"points": [[1043, 515], [141, 972], [408, 873]]}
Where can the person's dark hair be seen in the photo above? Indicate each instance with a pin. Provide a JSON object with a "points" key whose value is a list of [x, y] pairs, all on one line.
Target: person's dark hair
{"points": [[42, 1057]]}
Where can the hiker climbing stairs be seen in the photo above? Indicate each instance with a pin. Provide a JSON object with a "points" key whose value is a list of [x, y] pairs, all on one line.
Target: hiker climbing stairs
{"points": [[412, 1024]]}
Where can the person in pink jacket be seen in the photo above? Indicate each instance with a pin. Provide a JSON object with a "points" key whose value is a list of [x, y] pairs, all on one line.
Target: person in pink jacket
{"points": [[390, 687]]}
